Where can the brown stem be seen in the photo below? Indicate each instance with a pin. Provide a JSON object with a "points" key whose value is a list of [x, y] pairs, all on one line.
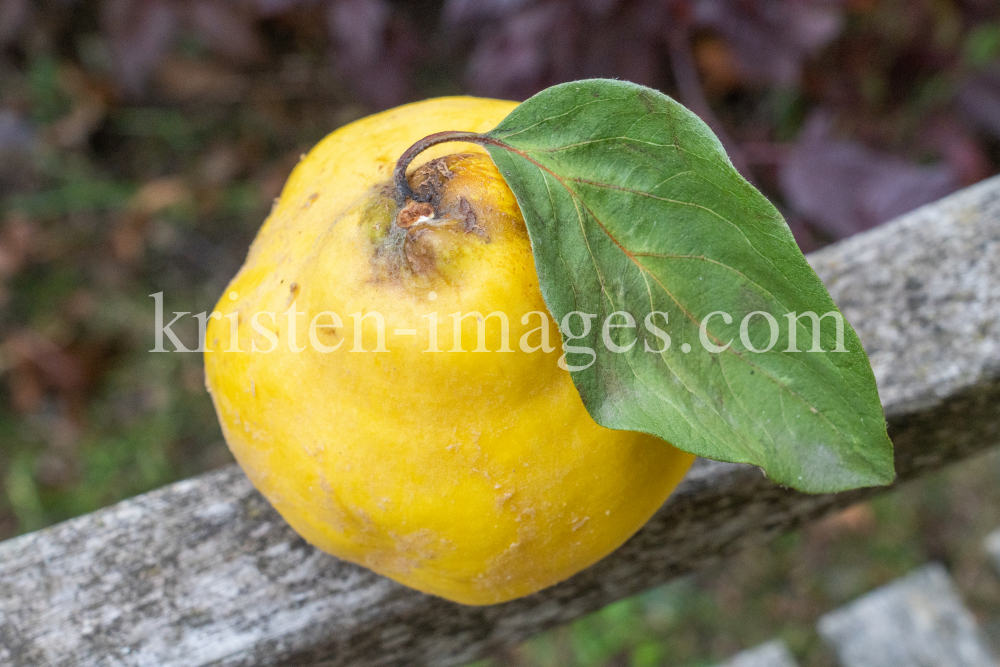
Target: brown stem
{"points": [[403, 190]]}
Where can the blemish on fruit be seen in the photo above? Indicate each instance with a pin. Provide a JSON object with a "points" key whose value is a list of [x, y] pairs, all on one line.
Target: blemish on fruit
{"points": [[413, 213], [471, 221], [419, 253], [431, 178]]}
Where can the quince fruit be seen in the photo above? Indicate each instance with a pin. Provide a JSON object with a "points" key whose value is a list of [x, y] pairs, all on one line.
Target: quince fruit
{"points": [[474, 473]]}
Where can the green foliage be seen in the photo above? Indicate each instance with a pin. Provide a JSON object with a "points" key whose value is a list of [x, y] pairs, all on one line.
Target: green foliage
{"points": [[982, 44], [637, 217], [47, 99], [75, 195]]}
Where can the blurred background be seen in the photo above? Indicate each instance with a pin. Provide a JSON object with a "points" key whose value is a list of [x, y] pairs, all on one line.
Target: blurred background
{"points": [[143, 141]]}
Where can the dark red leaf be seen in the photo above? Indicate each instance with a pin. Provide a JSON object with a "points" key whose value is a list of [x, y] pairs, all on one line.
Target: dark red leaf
{"points": [[16, 134], [525, 47], [516, 58], [474, 12], [13, 16], [845, 187], [772, 39], [139, 33], [979, 99], [375, 52], [275, 7], [958, 146], [226, 29]]}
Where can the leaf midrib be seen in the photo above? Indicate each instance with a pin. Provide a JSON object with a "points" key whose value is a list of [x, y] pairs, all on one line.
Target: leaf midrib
{"points": [[645, 270]]}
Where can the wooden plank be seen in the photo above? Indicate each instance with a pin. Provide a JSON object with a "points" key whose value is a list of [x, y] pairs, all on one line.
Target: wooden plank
{"points": [[204, 572], [770, 654], [992, 545], [916, 621]]}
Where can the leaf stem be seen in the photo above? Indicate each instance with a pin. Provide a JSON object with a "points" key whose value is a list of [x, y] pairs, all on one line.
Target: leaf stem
{"points": [[403, 190]]}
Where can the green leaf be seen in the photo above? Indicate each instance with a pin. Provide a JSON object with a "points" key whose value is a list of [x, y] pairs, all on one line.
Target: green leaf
{"points": [[632, 205]]}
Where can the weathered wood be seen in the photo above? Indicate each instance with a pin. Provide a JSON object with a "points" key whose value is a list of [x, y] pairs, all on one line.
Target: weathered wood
{"points": [[770, 654], [992, 545], [204, 572], [916, 621]]}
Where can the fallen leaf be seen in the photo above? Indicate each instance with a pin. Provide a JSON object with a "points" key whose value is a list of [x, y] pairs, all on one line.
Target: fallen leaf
{"points": [[959, 148], [227, 28], [159, 194], [188, 80], [16, 243], [859, 519], [139, 34], [473, 13], [773, 38], [59, 369], [375, 51], [718, 66], [13, 16], [522, 47], [845, 187], [16, 134], [979, 99]]}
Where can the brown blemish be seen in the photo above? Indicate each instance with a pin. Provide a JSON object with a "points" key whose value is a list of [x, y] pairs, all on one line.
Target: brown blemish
{"points": [[420, 252], [430, 223], [441, 169], [468, 215], [406, 553], [412, 212], [470, 220], [294, 289], [432, 177], [502, 499]]}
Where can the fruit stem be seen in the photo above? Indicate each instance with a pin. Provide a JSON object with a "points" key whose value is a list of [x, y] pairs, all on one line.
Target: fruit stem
{"points": [[403, 190]]}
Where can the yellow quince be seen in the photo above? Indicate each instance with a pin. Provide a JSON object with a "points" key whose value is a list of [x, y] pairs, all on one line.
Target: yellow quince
{"points": [[388, 377]]}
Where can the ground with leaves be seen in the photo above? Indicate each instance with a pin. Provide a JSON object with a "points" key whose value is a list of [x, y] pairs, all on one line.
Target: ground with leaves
{"points": [[142, 142]]}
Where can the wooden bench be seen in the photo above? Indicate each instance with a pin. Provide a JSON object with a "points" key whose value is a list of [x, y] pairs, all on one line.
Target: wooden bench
{"points": [[204, 572]]}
